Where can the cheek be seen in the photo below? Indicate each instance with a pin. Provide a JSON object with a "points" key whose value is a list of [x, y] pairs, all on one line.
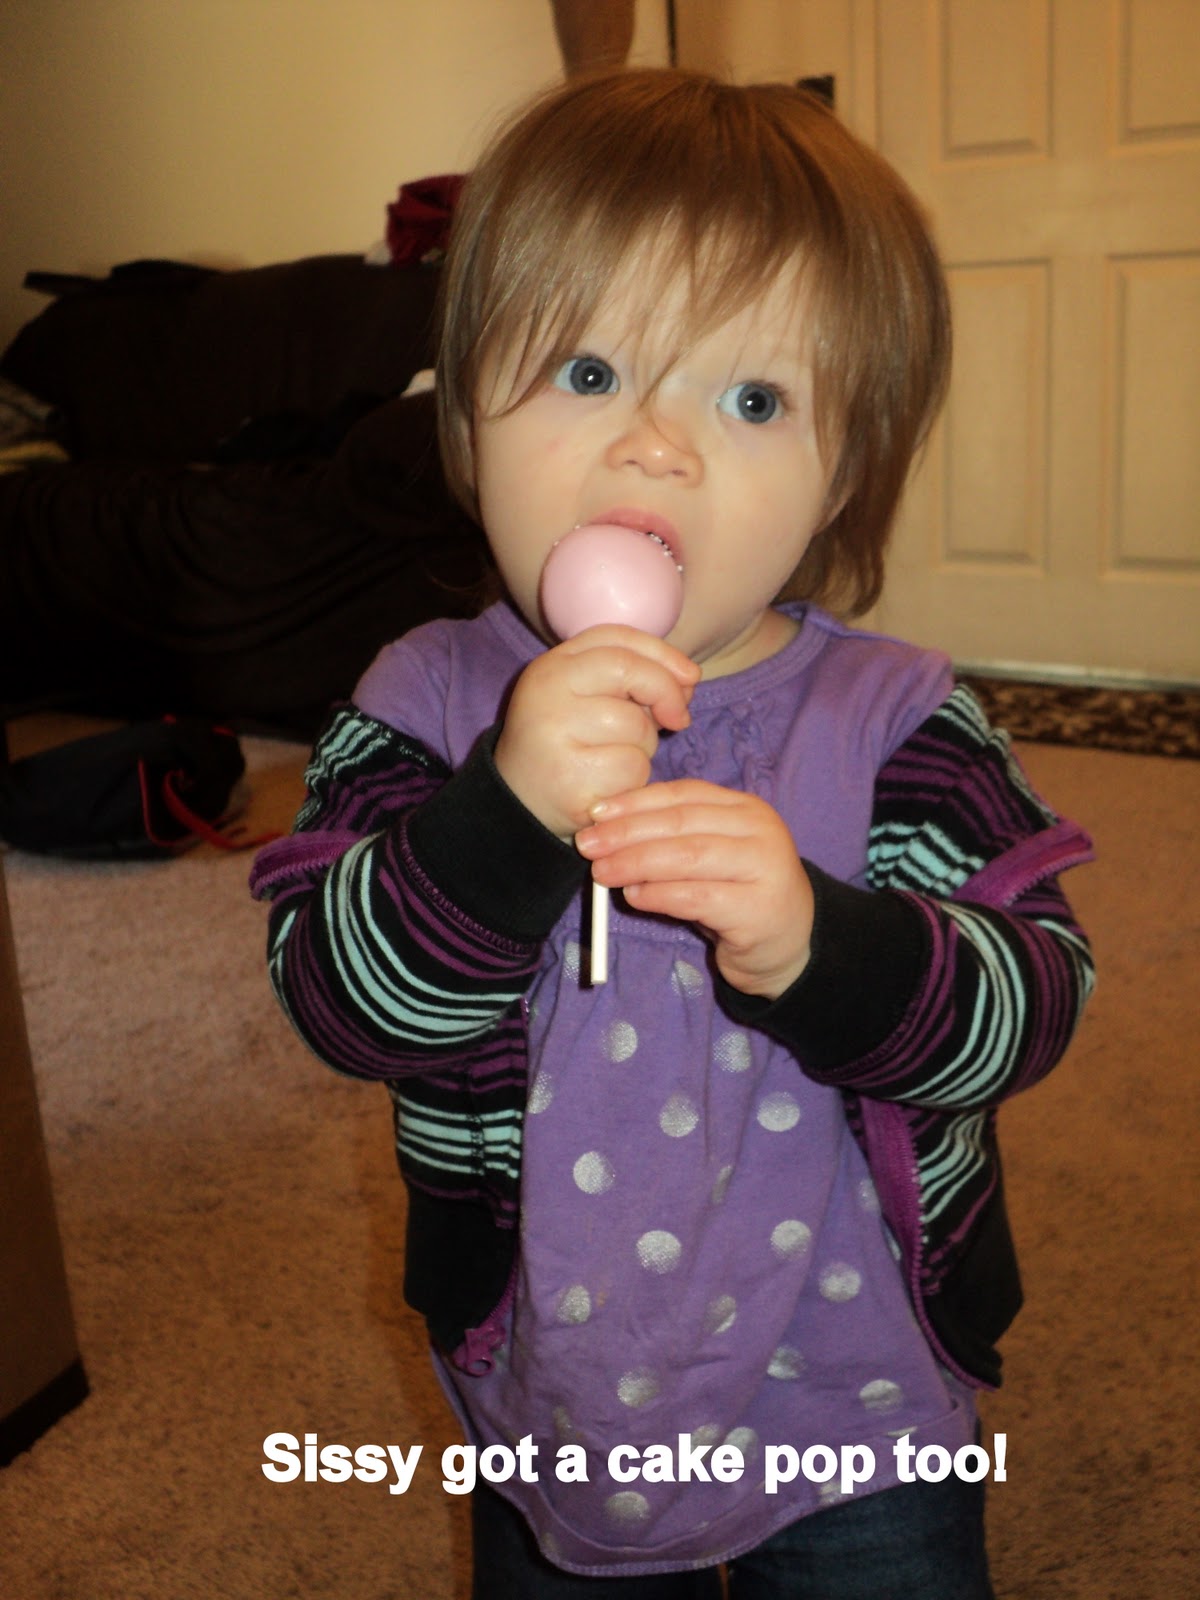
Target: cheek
{"points": [[526, 459], [796, 490], [502, 467], [777, 505], [778, 520]]}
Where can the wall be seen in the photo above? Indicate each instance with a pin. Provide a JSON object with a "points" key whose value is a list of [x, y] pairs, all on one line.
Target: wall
{"points": [[782, 40], [747, 41], [239, 132]]}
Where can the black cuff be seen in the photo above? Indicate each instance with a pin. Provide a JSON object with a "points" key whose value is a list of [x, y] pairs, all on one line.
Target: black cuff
{"points": [[869, 951], [489, 855]]}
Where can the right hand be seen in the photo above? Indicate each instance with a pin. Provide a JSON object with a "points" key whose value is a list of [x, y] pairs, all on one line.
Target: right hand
{"points": [[583, 721]]}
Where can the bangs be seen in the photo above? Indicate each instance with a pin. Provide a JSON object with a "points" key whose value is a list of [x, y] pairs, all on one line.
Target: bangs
{"points": [[705, 287]]}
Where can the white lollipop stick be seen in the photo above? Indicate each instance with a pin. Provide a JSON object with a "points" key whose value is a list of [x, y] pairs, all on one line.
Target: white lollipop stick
{"points": [[602, 572], [598, 969]]}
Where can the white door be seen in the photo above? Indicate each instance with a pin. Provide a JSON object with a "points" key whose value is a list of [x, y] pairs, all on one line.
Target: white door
{"points": [[1057, 143], [1056, 517]]}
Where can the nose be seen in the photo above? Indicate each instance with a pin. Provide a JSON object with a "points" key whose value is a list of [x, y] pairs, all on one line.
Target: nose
{"points": [[657, 447]]}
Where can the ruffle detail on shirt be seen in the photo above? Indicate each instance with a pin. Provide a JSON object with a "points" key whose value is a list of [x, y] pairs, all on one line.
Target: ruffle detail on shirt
{"points": [[753, 765]]}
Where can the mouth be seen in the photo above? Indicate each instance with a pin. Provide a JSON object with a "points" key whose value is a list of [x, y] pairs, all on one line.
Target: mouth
{"points": [[653, 526]]}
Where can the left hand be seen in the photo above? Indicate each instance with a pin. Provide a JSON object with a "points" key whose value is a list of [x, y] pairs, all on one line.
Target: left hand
{"points": [[715, 857]]}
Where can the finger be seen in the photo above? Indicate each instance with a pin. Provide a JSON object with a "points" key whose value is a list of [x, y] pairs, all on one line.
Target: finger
{"points": [[701, 904], [662, 686], [686, 857], [624, 823], [648, 645], [607, 720], [674, 792]]}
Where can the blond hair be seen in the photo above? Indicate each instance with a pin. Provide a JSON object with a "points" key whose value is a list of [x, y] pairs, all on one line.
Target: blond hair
{"points": [[729, 187]]}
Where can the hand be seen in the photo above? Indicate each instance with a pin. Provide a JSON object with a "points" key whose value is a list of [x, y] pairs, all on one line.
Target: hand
{"points": [[717, 858], [583, 721]]}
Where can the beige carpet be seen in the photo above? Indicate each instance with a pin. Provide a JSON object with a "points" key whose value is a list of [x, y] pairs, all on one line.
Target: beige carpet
{"points": [[232, 1220]]}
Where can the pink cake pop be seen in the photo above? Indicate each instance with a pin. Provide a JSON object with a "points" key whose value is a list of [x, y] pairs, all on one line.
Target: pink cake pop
{"points": [[605, 573], [602, 572]]}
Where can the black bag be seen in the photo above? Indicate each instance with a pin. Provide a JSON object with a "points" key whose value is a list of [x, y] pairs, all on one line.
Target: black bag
{"points": [[144, 791]]}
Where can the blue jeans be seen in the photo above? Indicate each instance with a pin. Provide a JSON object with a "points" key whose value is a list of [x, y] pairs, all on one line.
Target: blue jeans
{"points": [[917, 1541]]}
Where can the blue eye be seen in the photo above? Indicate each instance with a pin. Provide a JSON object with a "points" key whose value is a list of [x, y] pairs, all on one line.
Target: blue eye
{"points": [[750, 402], [586, 375]]}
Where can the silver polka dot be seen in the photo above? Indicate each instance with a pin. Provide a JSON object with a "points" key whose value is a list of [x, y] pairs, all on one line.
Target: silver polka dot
{"points": [[574, 1305], [743, 1439], [620, 1041], [778, 1112], [732, 1052], [708, 1433], [541, 1094], [787, 1362], [881, 1394], [868, 1197], [840, 1282], [564, 1428], [679, 1116], [659, 1251], [637, 1388], [721, 1185], [791, 1238], [628, 1508], [594, 1173], [686, 979], [571, 960], [721, 1314]]}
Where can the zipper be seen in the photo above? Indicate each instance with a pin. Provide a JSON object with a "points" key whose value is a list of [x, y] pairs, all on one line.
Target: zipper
{"points": [[893, 1164], [299, 852], [1042, 856], [476, 1354]]}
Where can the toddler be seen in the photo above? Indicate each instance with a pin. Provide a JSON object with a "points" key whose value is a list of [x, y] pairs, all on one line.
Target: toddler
{"points": [[747, 1192]]}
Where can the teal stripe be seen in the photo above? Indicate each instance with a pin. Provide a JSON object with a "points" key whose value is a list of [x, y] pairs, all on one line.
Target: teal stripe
{"points": [[953, 1165], [377, 979], [925, 858], [996, 1020]]}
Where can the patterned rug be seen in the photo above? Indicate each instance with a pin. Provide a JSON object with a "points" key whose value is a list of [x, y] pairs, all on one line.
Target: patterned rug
{"points": [[1144, 722]]}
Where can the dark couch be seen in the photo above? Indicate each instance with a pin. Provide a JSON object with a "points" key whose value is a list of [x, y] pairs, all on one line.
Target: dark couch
{"points": [[250, 507]]}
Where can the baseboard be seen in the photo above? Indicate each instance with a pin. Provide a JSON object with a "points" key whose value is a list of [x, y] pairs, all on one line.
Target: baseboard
{"points": [[1061, 675]]}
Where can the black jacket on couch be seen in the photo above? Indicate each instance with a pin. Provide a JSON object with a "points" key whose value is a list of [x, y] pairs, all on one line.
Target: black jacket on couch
{"points": [[251, 508]]}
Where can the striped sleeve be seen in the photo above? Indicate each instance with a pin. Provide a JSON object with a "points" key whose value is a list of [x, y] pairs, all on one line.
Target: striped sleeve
{"points": [[957, 977], [409, 905]]}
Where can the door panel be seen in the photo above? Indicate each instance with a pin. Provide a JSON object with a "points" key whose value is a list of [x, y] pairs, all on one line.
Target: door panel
{"points": [[1056, 517]]}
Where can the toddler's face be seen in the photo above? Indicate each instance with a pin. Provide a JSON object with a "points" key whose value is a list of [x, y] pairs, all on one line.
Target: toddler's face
{"points": [[718, 456]]}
